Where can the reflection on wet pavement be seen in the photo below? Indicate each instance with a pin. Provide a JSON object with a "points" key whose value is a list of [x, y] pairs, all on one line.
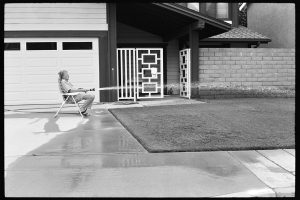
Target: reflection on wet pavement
{"points": [[98, 157], [135, 174]]}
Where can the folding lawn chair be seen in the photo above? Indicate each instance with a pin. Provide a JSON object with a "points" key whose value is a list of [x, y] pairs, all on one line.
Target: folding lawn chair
{"points": [[65, 97]]}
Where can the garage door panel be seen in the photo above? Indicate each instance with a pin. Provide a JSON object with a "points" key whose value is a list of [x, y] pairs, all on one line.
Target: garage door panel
{"points": [[76, 61], [12, 54], [85, 84], [41, 62], [44, 55], [77, 78], [37, 79], [83, 75], [14, 87], [30, 89], [14, 96], [36, 72], [41, 53], [42, 87], [50, 82], [88, 85], [13, 70], [40, 95], [81, 70], [11, 62], [31, 76], [11, 79], [82, 54]]}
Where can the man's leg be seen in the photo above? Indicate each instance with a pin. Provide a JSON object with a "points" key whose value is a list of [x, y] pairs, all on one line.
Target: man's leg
{"points": [[78, 98], [89, 98]]}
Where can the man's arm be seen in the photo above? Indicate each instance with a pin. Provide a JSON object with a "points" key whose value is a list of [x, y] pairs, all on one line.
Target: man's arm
{"points": [[67, 88], [79, 90]]}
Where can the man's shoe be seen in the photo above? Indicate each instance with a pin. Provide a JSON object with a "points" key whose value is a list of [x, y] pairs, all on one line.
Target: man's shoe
{"points": [[86, 114], [83, 111]]}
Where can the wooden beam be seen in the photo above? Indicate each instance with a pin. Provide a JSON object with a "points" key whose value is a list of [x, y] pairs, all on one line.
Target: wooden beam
{"points": [[202, 8], [103, 67], [185, 30], [112, 50], [235, 14], [194, 46]]}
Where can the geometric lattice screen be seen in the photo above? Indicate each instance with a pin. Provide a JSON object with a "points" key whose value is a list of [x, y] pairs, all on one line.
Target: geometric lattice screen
{"points": [[185, 67], [140, 73], [149, 72]]}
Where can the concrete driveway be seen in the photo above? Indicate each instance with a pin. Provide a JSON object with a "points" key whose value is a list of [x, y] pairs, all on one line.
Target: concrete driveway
{"points": [[96, 157]]}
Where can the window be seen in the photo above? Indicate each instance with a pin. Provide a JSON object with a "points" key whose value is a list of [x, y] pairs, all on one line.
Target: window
{"points": [[77, 45], [217, 10], [11, 46], [182, 4], [210, 9], [193, 6], [222, 11], [41, 46]]}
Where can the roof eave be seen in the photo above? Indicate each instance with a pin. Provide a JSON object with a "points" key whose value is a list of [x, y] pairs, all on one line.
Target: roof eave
{"points": [[235, 40], [195, 15]]}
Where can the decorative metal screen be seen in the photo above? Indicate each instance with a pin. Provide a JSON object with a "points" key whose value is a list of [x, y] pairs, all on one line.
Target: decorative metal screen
{"points": [[126, 73], [185, 66], [140, 73], [149, 68]]}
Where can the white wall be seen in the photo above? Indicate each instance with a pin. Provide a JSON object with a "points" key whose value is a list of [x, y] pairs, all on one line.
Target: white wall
{"points": [[55, 16], [275, 20]]}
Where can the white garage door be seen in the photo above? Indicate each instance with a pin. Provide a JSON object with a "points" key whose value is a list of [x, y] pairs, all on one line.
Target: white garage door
{"points": [[31, 66]]}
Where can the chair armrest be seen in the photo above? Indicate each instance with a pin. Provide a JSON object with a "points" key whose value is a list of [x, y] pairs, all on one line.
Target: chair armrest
{"points": [[71, 93]]}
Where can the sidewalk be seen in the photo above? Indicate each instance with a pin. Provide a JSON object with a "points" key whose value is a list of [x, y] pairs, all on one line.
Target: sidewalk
{"points": [[97, 157]]}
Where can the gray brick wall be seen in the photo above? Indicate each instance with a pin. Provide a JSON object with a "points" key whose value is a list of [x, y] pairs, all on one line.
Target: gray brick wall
{"points": [[247, 67]]}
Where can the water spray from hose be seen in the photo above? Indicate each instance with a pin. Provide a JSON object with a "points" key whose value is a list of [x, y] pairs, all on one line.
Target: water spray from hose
{"points": [[196, 85]]}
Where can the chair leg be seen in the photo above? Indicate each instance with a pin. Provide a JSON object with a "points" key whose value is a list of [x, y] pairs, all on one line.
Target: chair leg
{"points": [[78, 107], [60, 107]]}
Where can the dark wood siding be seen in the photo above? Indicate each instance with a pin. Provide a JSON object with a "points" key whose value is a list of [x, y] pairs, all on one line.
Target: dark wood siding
{"points": [[173, 64], [129, 34]]}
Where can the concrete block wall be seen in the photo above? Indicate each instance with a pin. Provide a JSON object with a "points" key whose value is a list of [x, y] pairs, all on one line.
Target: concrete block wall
{"points": [[247, 67]]}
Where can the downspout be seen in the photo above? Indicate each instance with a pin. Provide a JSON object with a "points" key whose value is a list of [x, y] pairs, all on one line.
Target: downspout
{"points": [[235, 14]]}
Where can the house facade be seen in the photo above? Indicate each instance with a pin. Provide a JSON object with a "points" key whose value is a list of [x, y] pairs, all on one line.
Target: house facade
{"points": [[139, 47], [278, 22]]}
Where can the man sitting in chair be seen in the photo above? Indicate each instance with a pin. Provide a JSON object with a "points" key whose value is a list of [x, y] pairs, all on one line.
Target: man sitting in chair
{"points": [[67, 87]]}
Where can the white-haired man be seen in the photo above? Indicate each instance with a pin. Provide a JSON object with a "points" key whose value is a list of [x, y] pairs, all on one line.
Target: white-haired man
{"points": [[67, 87]]}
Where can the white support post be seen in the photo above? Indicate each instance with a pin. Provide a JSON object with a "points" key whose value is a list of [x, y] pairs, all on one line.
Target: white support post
{"points": [[126, 77], [121, 62], [118, 74], [129, 69], [134, 75]]}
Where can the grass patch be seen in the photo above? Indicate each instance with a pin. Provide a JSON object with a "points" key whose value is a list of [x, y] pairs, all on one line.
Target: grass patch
{"points": [[234, 124]]}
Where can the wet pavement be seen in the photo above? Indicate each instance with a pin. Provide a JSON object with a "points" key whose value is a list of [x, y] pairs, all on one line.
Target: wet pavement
{"points": [[97, 157]]}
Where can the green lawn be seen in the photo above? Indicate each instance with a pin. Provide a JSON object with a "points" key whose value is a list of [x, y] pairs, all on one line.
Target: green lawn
{"points": [[229, 124]]}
